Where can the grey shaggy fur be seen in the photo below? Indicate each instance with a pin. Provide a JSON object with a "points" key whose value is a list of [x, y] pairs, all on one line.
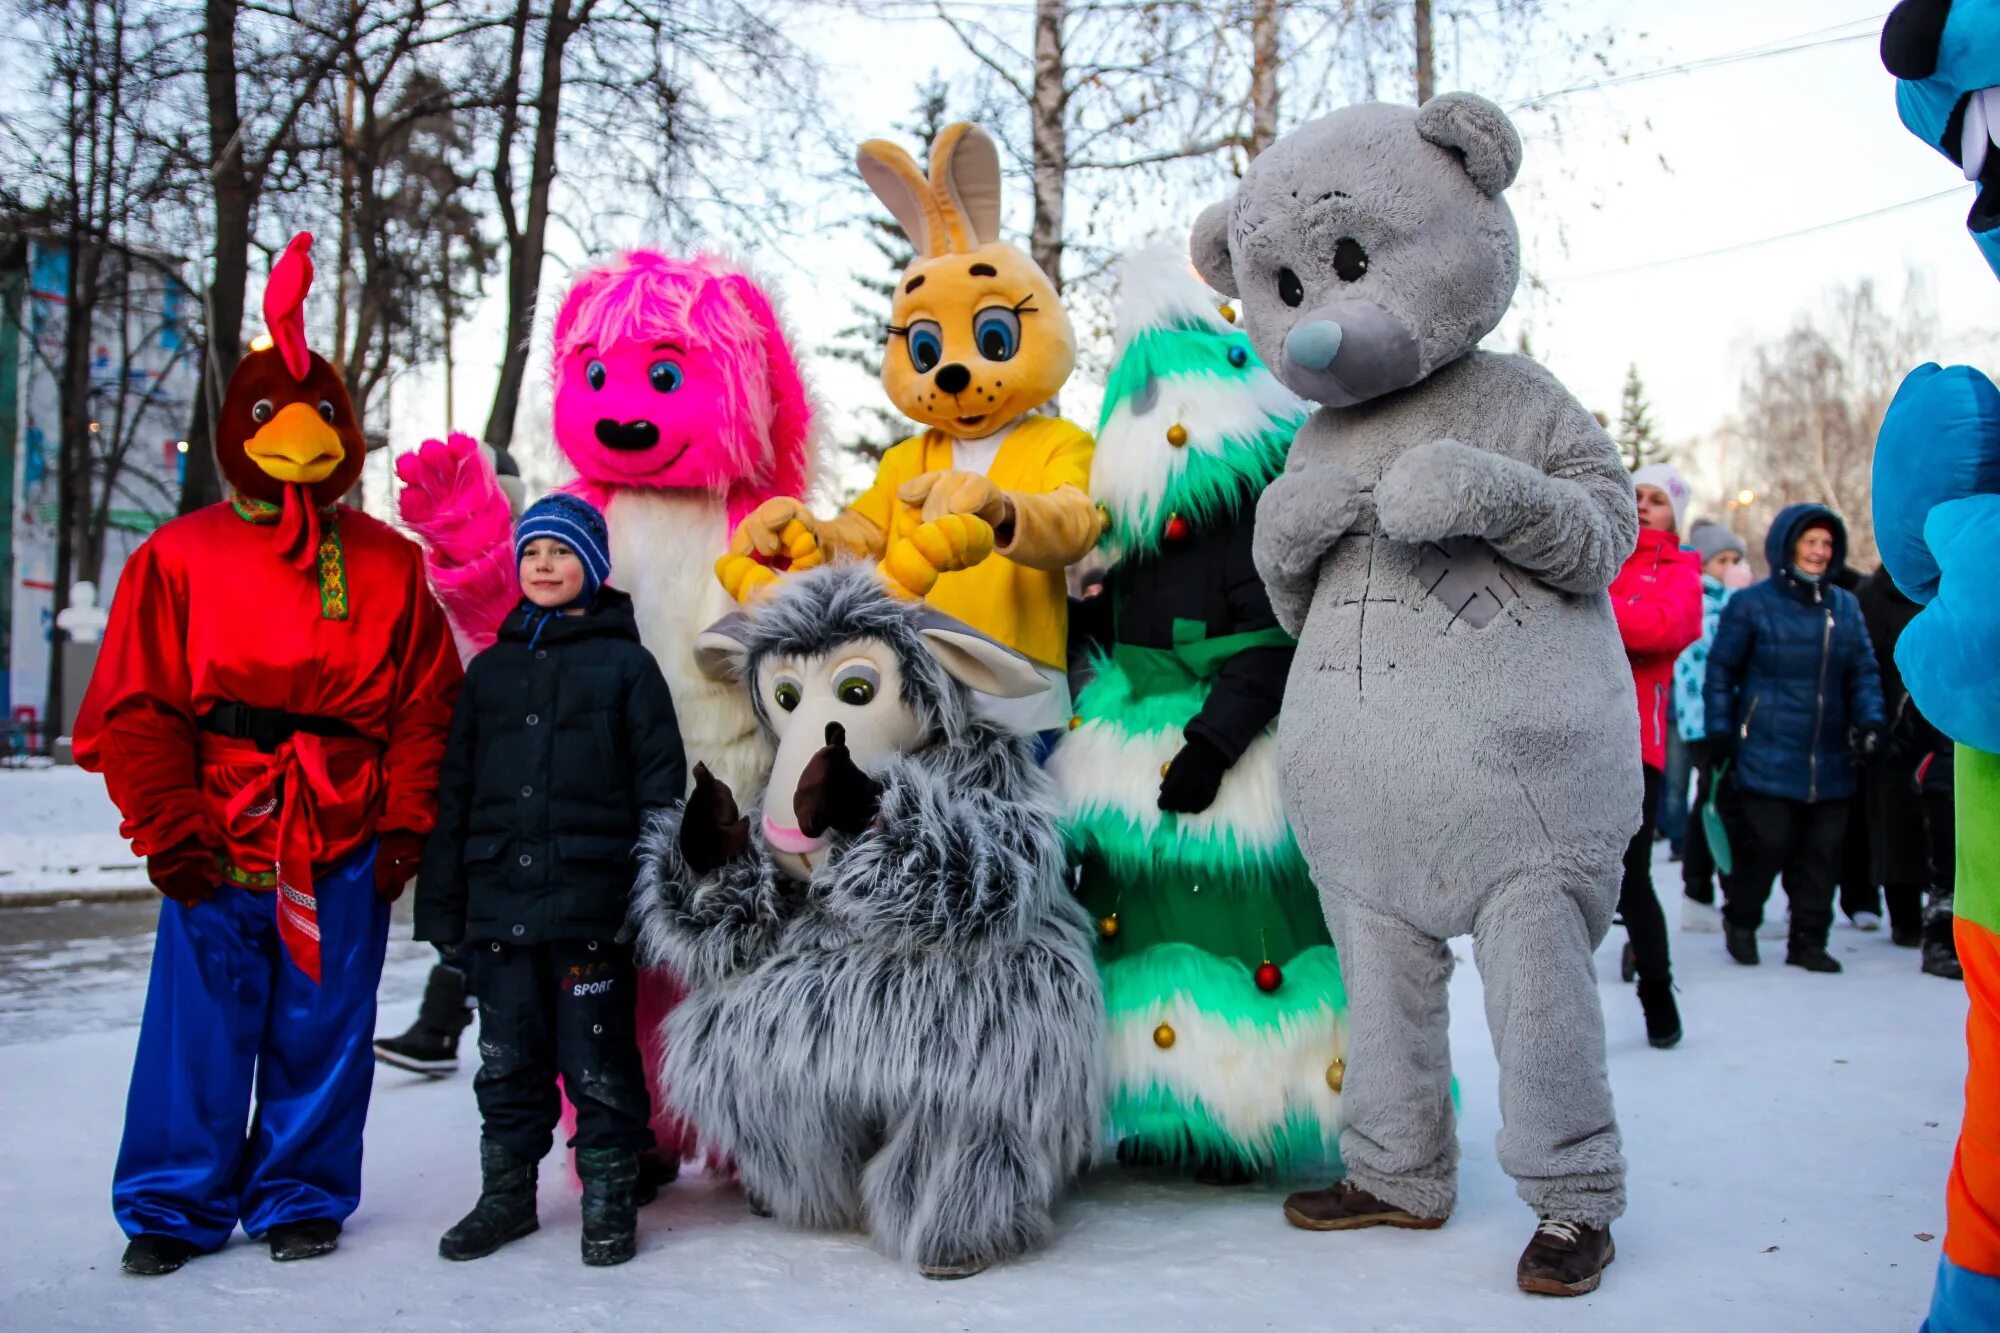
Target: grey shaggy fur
{"points": [[1459, 743], [909, 1043]]}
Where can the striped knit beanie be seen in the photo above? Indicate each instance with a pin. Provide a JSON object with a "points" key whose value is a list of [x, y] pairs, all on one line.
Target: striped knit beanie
{"points": [[576, 524]]}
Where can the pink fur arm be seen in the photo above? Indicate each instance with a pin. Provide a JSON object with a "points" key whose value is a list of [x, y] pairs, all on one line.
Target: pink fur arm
{"points": [[453, 503]]}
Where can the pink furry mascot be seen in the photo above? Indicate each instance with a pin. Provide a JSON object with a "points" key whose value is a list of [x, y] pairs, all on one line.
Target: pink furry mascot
{"points": [[680, 404]]}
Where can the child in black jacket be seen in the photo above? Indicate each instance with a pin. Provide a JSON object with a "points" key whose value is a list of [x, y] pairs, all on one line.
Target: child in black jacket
{"points": [[563, 744]]}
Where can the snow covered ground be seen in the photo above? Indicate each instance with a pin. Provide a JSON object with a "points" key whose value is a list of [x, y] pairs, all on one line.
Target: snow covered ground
{"points": [[59, 832], [1788, 1166]]}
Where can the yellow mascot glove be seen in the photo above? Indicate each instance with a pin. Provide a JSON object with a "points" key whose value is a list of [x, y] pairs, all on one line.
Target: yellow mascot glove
{"points": [[742, 577], [954, 542], [953, 492], [771, 529]]}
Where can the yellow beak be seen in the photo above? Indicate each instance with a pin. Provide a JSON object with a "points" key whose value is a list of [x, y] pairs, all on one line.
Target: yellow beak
{"points": [[296, 446]]}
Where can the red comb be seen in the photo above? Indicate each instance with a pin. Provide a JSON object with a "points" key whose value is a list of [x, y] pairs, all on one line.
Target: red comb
{"points": [[285, 303]]}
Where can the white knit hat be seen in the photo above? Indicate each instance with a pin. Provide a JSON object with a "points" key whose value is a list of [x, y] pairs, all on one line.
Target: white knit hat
{"points": [[1667, 477]]}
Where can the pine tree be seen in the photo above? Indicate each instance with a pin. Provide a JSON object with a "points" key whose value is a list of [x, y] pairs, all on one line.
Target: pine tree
{"points": [[1638, 442], [860, 343]]}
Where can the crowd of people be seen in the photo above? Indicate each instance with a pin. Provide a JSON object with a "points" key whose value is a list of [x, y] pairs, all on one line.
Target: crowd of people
{"points": [[1779, 745]]}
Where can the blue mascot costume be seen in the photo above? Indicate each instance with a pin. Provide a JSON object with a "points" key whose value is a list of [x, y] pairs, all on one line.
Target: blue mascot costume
{"points": [[1937, 519]]}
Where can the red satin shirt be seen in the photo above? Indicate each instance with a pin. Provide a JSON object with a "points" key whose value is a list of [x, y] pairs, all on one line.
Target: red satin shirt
{"points": [[208, 610]]}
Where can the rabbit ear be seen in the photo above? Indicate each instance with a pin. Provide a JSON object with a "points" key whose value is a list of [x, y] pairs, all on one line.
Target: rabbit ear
{"points": [[965, 177], [892, 174]]}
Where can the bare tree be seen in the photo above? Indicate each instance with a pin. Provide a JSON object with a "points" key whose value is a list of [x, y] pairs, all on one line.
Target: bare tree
{"points": [[1113, 102], [279, 62], [524, 218], [667, 114], [1812, 403], [108, 70], [407, 184]]}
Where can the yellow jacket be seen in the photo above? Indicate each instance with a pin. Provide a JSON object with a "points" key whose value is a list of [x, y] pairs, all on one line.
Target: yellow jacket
{"points": [[1017, 596]]}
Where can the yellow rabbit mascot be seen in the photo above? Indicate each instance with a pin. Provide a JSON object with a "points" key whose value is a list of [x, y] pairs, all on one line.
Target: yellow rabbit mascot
{"points": [[978, 340]]}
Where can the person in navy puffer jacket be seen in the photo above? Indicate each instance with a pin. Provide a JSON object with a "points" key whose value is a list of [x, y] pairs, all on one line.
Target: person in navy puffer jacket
{"points": [[1794, 700]]}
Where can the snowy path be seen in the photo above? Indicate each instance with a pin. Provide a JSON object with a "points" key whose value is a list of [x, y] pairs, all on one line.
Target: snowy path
{"points": [[1783, 1161], [59, 831]]}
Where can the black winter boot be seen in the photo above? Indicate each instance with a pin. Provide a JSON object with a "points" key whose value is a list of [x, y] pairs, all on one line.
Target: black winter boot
{"points": [[430, 1047], [656, 1172], [1941, 960], [1940, 949], [1741, 943], [610, 1217], [303, 1240], [506, 1207], [154, 1255], [1811, 957], [1663, 1016]]}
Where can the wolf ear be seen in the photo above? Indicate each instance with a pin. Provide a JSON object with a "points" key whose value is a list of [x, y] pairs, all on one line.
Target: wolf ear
{"points": [[1479, 133], [1208, 247], [978, 663], [965, 177], [722, 652], [892, 174]]}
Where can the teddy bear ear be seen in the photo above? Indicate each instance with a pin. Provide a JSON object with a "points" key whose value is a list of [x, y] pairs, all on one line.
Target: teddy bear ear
{"points": [[1208, 247], [1479, 132]]}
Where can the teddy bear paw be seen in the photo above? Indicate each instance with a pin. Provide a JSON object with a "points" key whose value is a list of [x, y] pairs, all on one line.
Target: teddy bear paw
{"points": [[1433, 492], [1300, 515]]}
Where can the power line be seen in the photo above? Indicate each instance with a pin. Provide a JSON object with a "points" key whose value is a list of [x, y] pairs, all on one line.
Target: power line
{"points": [[1783, 46], [1762, 240]]}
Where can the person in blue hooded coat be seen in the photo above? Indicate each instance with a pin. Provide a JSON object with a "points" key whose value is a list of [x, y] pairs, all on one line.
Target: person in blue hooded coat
{"points": [[1794, 701]]}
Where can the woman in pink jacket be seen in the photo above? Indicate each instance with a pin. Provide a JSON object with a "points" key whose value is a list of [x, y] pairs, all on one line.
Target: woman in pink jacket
{"points": [[1657, 598]]}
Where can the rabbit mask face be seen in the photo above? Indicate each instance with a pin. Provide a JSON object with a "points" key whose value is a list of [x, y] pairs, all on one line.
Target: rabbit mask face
{"points": [[977, 334]]}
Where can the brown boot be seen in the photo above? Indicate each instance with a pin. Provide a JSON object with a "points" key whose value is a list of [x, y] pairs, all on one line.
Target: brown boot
{"points": [[1565, 1258], [1345, 1206]]}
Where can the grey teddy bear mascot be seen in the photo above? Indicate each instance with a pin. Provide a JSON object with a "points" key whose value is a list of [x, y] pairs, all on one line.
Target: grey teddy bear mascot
{"points": [[893, 1019], [1458, 737]]}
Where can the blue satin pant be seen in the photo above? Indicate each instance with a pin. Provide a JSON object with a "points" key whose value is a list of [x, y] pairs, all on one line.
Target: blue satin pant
{"points": [[229, 1017]]}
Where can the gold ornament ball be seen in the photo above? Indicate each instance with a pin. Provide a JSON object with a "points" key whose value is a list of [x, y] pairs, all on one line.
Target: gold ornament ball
{"points": [[1107, 926], [1228, 312], [1163, 1036], [1164, 767], [1336, 1073], [1177, 435]]}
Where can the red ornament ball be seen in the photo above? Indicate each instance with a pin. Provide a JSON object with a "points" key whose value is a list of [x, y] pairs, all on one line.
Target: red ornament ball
{"points": [[1269, 978], [1177, 528]]}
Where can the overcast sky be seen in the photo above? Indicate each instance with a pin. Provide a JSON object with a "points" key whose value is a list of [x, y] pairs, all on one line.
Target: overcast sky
{"points": [[1756, 147]]}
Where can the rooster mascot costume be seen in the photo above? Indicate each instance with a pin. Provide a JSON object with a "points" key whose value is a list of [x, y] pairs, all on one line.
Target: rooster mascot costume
{"points": [[269, 712]]}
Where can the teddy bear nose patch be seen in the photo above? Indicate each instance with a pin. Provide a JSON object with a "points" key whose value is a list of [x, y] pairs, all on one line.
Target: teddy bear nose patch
{"points": [[1314, 343], [627, 434], [953, 378]]}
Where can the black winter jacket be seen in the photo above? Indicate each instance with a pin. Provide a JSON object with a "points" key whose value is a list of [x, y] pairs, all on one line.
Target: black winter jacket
{"points": [[560, 750], [1791, 671], [1207, 577]]}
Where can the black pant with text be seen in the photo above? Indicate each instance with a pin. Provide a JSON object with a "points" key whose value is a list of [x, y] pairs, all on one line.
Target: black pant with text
{"points": [[568, 1008]]}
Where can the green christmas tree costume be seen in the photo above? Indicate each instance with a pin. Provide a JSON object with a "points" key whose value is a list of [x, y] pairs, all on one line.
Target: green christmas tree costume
{"points": [[1227, 1033]]}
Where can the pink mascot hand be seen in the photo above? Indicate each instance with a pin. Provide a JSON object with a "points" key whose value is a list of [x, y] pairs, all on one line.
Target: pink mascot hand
{"points": [[452, 500]]}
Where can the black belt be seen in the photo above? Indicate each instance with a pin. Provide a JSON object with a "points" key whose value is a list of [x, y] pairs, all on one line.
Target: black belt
{"points": [[268, 728]]}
